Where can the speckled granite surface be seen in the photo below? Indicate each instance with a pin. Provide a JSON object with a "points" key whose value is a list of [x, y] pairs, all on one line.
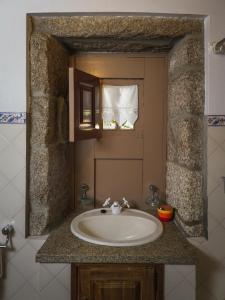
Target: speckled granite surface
{"points": [[63, 247], [48, 81]]}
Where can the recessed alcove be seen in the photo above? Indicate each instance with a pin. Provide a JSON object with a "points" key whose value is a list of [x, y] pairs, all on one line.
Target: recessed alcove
{"points": [[50, 41]]}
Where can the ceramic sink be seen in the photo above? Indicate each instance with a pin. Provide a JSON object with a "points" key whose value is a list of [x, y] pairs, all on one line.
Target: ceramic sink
{"points": [[129, 228]]}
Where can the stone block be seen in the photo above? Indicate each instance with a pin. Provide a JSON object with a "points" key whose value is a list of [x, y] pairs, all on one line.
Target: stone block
{"points": [[43, 129], [38, 173], [184, 190], [49, 120], [39, 64], [188, 135], [59, 176], [186, 92], [49, 191], [48, 66], [188, 51], [39, 222], [171, 144], [190, 230], [58, 64]]}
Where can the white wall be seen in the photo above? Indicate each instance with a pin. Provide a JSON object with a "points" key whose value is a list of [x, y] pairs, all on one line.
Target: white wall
{"points": [[27, 280], [13, 40]]}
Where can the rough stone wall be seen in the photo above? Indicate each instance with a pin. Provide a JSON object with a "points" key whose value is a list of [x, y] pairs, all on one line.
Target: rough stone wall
{"points": [[186, 189], [49, 167], [48, 159]]}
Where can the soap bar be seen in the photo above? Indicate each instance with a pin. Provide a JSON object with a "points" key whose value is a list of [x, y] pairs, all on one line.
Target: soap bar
{"points": [[165, 213]]}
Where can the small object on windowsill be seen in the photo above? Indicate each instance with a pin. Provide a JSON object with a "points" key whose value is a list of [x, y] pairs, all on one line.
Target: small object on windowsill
{"points": [[165, 212]]}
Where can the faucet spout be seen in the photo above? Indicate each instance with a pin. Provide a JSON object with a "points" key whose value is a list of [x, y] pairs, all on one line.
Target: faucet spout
{"points": [[116, 208]]}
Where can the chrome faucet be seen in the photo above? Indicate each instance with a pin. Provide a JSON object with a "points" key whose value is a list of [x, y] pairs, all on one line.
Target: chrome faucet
{"points": [[153, 200], [116, 207]]}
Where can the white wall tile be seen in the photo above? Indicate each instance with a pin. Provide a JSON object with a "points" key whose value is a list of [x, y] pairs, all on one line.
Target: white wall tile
{"points": [[212, 223], [215, 246], [216, 165], [45, 277], [24, 261], [185, 270], [54, 269], [19, 181], [184, 291], [64, 277], [28, 280], [11, 201], [3, 181], [217, 134], [12, 282], [10, 132], [19, 220], [191, 277], [11, 162], [54, 291], [26, 293], [20, 142], [216, 202], [3, 142], [172, 278]]}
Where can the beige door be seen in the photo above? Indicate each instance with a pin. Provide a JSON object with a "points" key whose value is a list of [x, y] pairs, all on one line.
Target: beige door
{"points": [[123, 163]]}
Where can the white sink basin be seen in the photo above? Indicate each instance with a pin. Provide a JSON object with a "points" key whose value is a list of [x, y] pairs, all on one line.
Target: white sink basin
{"points": [[130, 228]]}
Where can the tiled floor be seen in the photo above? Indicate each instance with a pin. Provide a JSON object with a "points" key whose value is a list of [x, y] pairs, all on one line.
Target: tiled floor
{"points": [[27, 280]]}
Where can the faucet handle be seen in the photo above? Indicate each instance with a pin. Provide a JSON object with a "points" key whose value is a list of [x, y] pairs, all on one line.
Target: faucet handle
{"points": [[125, 203], [107, 202]]}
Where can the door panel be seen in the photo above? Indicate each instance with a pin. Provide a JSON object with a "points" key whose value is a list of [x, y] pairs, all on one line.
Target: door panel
{"points": [[115, 290], [114, 282], [118, 178], [134, 156]]}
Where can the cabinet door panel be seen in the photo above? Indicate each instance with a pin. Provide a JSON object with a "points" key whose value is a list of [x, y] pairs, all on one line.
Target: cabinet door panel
{"points": [[115, 290], [114, 282]]}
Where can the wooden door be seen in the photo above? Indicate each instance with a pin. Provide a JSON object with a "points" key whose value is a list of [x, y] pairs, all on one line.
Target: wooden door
{"points": [[117, 282], [125, 162]]}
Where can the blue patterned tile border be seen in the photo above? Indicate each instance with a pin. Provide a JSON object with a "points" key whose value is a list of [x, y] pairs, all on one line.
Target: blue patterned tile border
{"points": [[216, 120], [12, 117]]}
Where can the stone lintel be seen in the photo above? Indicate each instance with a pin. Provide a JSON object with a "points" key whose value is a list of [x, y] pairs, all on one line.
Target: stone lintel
{"points": [[139, 27]]}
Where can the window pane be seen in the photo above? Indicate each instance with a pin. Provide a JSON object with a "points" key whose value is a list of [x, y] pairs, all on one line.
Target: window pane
{"points": [[119, 106], [87, 106]]}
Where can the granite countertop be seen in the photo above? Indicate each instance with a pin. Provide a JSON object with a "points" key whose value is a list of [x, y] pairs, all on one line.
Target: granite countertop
{"points": [[63, 247]]}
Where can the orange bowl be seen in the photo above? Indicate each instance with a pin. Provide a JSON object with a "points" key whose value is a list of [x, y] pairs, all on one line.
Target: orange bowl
{"points": [[165, 213]]}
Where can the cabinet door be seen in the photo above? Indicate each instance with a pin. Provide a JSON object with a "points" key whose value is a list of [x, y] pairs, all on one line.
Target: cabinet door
{"points": [[115, 282]]}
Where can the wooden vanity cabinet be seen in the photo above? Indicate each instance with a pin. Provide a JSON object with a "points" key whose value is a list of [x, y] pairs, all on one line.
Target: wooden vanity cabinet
{"points": [[117, 282]]}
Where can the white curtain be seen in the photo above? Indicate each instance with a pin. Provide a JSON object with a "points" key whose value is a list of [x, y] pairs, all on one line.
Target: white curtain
{"points": [[120, 104]]}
